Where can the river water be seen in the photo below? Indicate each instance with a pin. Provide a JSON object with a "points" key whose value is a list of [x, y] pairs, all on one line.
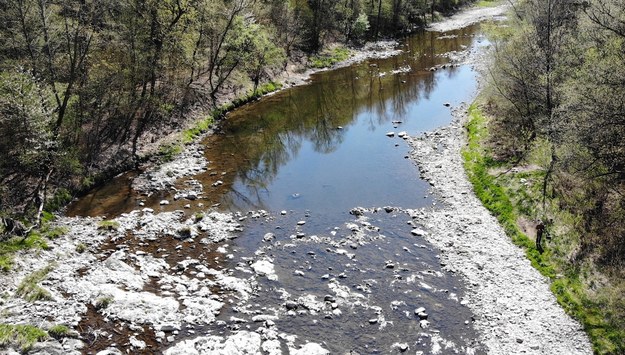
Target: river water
{"points": [[317, 151]]}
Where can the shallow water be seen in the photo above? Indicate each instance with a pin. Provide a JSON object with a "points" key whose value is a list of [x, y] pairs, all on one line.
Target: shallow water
{"points": [[309, 265], [318, 151]]}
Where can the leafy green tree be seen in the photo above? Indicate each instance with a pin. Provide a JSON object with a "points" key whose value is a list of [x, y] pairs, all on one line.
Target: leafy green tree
{"points": [[27, 137], [360, 28]]}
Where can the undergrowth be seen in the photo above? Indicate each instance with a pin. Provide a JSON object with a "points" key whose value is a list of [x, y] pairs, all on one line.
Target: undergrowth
{"points": [[506, 199]]}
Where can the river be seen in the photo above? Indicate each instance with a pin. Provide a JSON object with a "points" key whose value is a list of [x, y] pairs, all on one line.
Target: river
{"points": [[308, 156]]}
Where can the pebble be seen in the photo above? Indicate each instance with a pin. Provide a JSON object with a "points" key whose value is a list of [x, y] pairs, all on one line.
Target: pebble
{"points": [[269, 237], [418, 232], [420, 312]]}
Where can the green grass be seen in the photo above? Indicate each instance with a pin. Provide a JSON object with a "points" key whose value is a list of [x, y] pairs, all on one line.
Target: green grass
{"points": [[108, 225], [167, 152], [23, 336], [8, 248], [29, 288], [329, 58], [200, 127], [53, 233], [59, 331], [103, 302], [508, 201], [489, 3], [81, 248]]}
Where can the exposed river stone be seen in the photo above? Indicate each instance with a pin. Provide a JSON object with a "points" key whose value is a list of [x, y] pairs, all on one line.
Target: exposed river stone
{"points": [[190, 162]]}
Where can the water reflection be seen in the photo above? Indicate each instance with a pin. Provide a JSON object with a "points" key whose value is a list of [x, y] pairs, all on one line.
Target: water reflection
{"points": [[323, 146], [308, 146]]}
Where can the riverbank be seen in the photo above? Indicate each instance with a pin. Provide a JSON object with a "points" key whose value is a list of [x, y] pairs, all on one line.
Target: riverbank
{"points": [[516, 312], [185, 149]]}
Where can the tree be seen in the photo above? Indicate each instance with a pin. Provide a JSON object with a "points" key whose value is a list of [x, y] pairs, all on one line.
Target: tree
{"points": [[27, 136], [258, 53], [360, 28]]}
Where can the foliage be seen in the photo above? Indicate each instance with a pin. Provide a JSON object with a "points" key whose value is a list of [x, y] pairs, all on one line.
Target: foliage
{"points": [[61, 198], [558, 77], [26, 135], [360, 27], [24, 336]]}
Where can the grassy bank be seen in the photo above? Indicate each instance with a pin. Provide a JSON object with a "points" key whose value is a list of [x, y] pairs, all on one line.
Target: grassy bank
{"points": [[328, 58], [512, 193]]}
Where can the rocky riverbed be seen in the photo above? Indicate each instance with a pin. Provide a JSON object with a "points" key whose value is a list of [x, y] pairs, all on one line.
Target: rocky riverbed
{"points": [[184, 278], [514, 307]]}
